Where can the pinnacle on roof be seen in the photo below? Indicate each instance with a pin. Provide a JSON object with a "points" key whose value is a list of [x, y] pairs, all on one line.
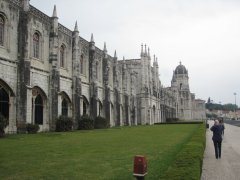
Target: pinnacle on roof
{"points": [[54, 12], [76, 27], [141, 49], [92, 40], [105, 48]]}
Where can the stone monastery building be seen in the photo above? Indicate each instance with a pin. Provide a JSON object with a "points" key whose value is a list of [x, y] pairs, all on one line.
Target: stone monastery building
{"points": [[47, 70]]}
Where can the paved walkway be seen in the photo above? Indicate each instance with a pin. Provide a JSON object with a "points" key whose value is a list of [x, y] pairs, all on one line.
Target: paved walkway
{"points": [[228, 167]]}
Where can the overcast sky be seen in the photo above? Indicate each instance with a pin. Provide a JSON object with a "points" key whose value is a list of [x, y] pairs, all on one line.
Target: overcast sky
{"points": [[203, 34]]}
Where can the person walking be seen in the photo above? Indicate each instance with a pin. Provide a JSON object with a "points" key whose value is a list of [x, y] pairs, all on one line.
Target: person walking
{"points": [[221, 123], [217, 138]]}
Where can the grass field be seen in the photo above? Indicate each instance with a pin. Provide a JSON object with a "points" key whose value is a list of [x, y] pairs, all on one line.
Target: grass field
{"points": [[99, 154]]}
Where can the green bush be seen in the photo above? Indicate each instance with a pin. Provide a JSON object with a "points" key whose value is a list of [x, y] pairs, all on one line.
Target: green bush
{"points": [[64, 123], [3, 125], [32, 128], [86, 123], [101, 123]]}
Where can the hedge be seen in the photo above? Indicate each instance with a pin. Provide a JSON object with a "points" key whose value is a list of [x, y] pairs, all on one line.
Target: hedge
{"points": [[188, 162], [64, 123], [85, 123]]}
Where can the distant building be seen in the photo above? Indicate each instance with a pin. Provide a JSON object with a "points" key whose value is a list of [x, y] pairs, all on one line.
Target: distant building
{"points": [[188, 108], [47, 70]]}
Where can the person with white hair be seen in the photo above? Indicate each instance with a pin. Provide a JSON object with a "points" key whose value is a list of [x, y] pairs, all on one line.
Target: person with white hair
{"points": [[217, 138]]}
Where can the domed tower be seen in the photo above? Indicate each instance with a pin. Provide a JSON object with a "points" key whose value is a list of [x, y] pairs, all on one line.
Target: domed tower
{"points": [[181, 89], [180, 78]]}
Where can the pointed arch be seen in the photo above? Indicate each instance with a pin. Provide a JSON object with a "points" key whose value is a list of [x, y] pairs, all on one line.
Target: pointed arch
{"points": [[4, 85], [85, 107], [5, 93], [4, 102], [65, 104], [36, 44], [64, 107], [100, 108], [2, 29], [39, 105], [38, 114], [62, 56]]}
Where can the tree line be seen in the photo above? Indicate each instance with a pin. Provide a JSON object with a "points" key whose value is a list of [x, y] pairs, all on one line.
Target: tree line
{"points": [[215, 106]]}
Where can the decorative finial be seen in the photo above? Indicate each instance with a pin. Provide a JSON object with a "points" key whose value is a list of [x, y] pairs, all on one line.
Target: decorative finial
{"points": [[92, 40], [76, 27], [105, 48], [54, 11]]}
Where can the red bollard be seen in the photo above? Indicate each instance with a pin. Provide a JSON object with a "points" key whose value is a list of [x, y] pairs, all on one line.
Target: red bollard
{"points": [[140, 167]]}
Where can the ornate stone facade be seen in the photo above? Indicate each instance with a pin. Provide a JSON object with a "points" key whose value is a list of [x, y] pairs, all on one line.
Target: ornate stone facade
{"points": [[188, 107], [47, 70]]}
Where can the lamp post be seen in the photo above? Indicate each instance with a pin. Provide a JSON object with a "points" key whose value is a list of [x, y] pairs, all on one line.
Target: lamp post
{"points": [[235, 105]]}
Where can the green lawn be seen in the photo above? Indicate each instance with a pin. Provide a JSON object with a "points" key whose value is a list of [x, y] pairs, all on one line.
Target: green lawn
{"points": [[98, 154]]}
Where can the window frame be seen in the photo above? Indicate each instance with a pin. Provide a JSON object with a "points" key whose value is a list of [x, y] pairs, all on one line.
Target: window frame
{"points": [[38, 110], [65, 107], [62, 56], [36, 45], [2, 30]]}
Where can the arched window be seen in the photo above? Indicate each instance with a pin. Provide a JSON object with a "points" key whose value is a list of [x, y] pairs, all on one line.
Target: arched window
{"points": [[4, 103], [62, 56], [64, 107], [36, 45], [81, 64], [2, 25], [38, 110]]}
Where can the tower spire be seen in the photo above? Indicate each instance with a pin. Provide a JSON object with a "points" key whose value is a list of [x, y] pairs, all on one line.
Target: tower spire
{"points": [[148, 52], [92, 39], [105, 48], [92, 43], [145, 49], [76, 27], [54, 12], [115, 54], [141, 49]]}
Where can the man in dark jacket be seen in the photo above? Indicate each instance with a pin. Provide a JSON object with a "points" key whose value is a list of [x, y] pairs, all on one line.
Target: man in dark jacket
{"points": [[217, 138]]}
